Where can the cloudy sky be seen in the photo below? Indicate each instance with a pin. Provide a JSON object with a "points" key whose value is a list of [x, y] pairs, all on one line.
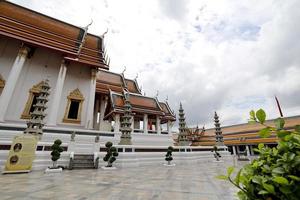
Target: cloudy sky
{"points": [[228, 56]]}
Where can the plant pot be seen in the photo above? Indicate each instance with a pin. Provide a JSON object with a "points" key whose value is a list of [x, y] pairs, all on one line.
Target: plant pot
{"points": [[53, 170], [170, 165], [108, 168]]}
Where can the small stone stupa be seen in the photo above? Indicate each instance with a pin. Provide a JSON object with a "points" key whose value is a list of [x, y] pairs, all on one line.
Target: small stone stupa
{"points": [[218, 131], [183, 131], [126, 122], [35, 124]]}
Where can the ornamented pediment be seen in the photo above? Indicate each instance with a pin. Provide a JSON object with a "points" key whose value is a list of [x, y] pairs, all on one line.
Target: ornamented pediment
{"points": [[76, 94], [37, 88]]}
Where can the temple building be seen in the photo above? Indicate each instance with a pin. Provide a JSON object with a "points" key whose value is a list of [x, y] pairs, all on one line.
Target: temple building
{"points": [[243, 137], [84, 94]]}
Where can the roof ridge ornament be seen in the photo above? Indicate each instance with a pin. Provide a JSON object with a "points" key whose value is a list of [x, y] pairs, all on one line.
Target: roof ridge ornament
{"points": [[157, 93], [124, 70], [103, 34], [83, 36]]}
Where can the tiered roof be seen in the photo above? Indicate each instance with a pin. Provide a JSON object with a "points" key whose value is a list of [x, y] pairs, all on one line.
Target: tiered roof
{"points": [[40, 30]]}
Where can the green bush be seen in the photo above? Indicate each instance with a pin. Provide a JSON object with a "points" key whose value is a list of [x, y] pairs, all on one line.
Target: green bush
{"points": [[169, 157], [111, 154], [56, 150], [276, 172]]}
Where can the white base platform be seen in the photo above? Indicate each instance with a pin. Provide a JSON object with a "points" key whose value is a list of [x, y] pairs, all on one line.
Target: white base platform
{"points": [[49, 171], [171, 165], [108, 168]]}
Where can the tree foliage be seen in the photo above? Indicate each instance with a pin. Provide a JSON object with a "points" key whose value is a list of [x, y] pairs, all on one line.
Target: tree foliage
{"points": [[56, 150], [111, 154], [275, 174], [169, 157]]}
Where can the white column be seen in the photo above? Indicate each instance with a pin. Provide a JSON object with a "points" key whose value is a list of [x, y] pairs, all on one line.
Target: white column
{"points": [[248, 150], [96, 110], [57, 91], [251, 150], [91, 102], [145, 123], [11, 81], [103, 104], [234, 150], [117, 123], [158, 128], [169, 127], [132, 124]]}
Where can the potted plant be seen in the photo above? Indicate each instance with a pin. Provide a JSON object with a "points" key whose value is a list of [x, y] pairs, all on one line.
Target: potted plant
{"points": [[55, 155], [111, 154], [275, 173], [169, 157]]}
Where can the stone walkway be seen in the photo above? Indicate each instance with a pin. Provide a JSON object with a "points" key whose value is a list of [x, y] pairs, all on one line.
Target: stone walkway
{"points": [[193, 181]]}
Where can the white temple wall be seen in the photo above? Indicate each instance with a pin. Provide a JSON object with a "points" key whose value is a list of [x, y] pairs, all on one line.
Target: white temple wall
{"points": [[8, 51], [78, 76], [44, 64]]}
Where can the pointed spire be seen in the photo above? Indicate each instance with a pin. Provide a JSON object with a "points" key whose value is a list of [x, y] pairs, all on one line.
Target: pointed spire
{"points": [[218, 131], [126, 121], [183, 130], [124, 70]]}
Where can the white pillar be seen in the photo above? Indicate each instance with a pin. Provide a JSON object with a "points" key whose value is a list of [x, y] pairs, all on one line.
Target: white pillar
{"points": [[91, 102], [96, 110], [145, 123], [251, 150], [103, 104], [248, 150], [57, 92], [169, 127], [158, 128], [11, 81], [117, 123], [233, 150], [132, 124]]}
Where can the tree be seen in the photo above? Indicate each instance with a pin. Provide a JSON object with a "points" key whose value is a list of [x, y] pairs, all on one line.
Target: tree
{"points": [[111, 154], [276, 172], [169, 155], [56, 150]]}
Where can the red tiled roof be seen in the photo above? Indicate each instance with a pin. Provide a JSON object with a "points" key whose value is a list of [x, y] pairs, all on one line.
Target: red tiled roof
{"points": [[43, 31]]}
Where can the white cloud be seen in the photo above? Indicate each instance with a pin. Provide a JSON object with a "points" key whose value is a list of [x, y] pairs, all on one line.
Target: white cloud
{"points": [[228, 56]]}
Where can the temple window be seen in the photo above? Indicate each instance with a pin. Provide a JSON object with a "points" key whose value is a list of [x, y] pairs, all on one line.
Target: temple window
{"points": [[2, 84], [74, 107], [33, 94]]}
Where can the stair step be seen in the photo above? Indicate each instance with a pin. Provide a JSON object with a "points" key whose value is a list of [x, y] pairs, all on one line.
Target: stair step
{"points": [[83, 162]]}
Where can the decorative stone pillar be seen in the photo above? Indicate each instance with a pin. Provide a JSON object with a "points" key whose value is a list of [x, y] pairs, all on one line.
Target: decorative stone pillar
{"points": [[52, 118], [158, 128], [103, 104], [117, 123], [12, 79], [91, 101], [145, 123], [126, 123], [218, 131]]}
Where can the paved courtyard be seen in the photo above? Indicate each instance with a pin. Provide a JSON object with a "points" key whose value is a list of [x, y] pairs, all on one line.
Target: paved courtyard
{"points": [[191, 181]]}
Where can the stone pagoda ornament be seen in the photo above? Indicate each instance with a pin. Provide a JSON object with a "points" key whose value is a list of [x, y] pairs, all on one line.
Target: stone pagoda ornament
{"points": [[22, 151], [183, 131], [126, 122], [218, 131], [35, 124]]}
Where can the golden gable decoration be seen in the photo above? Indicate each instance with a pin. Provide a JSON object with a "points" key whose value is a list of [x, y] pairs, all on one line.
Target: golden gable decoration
{"points": [[74, 107]]}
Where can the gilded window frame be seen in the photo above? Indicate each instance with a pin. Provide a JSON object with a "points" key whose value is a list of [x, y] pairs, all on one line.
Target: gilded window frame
{"points": [[36, 89], [77, 96]]}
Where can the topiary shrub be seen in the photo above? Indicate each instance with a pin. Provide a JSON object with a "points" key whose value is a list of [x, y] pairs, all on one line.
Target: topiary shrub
{"points": [[276, 172], [216, 153], [169, 157], [111, 154], [56, 150]]}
